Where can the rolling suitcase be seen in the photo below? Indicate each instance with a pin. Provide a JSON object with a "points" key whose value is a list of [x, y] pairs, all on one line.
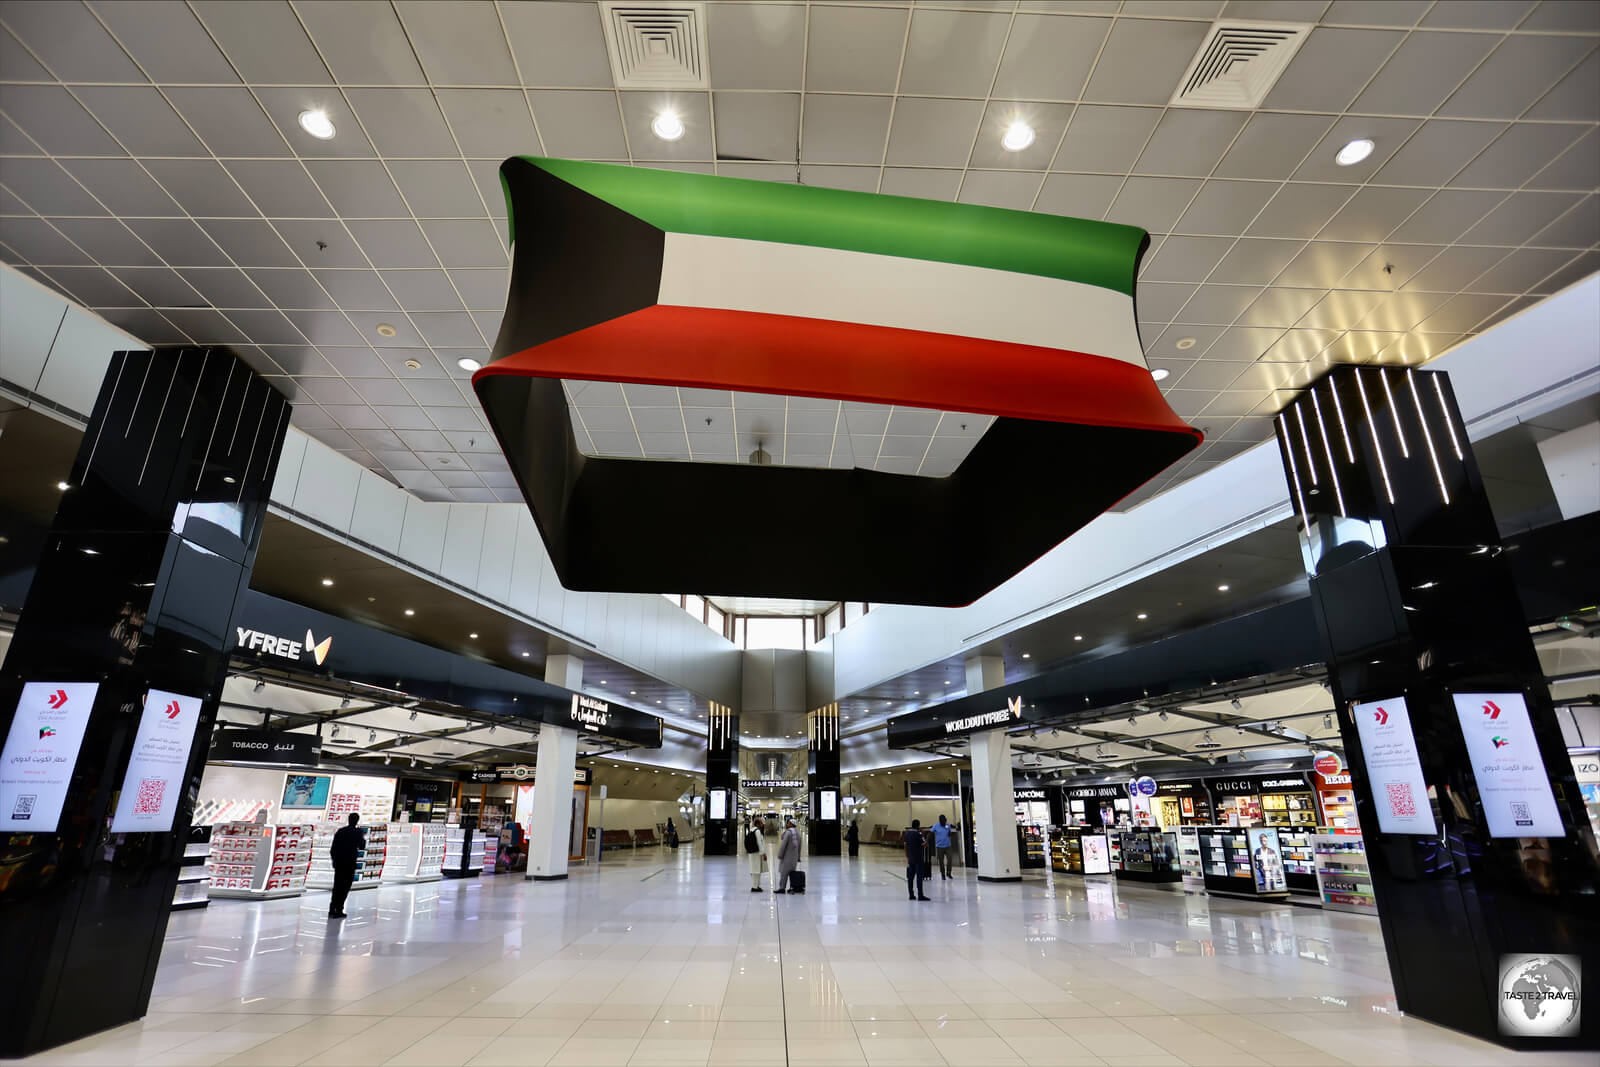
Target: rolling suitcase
{"points": [[797, 881]]}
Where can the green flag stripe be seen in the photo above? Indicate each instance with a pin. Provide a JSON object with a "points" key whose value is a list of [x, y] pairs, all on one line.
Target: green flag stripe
{"points": [[1103, 254]]}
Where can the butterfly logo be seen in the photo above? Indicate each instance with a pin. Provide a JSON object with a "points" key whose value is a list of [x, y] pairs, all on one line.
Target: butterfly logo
{"points": [[319, 650]]}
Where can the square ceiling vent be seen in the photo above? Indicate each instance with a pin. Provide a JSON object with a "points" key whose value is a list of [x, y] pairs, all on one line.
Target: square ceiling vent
{"points": [[657, 46], [1238, 64]]}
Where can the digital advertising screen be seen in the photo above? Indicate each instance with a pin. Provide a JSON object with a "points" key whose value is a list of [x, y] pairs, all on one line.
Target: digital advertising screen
{"points": [[306, 790], [154, 780]]}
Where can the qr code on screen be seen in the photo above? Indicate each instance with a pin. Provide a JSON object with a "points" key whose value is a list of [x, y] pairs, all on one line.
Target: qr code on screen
{"points": [[23, 808], [151, 790], [1401, 802], [1520, 814]]}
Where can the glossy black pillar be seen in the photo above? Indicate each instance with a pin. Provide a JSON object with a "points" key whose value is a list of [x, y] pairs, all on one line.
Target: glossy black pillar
{"points": [[822, 770], [724, 836], [149, 552], [1414, 598]]}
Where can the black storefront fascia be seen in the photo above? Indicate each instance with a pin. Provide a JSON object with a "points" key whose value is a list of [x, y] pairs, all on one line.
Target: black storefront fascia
{"points": [[400, 669]]}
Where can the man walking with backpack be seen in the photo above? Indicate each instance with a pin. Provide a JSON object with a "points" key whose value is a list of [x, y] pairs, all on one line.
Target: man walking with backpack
{"points": [[916, 860]]}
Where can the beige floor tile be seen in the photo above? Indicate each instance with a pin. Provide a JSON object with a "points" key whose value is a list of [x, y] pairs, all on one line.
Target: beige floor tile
{"points": [[517, 1050], [671, 1051], [441, 1050], [595, 1052]]}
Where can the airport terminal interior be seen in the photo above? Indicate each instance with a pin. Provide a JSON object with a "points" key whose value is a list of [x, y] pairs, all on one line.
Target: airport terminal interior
{"points": [[799, 532]]}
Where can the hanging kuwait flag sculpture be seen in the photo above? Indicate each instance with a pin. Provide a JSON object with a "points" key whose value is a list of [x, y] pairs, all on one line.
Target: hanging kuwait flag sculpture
{"points": [[657, 277]]}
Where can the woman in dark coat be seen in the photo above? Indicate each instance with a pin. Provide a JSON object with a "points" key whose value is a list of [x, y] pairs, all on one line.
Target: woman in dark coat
{"points": [[853, 837]]}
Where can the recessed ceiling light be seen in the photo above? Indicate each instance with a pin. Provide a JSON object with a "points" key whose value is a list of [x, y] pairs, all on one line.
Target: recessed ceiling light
{"points": [[632, 693], [468, 363], [1142, 615], [1027, 655], [1018, 135], [917, 693], [412, 364], [410, 612], [229, 479], [1222, 588], [602, 681], [524, 654], [1183, 344], [667, 126], [1354, 152], [327, 581], [473, 636], [317, 124], [1077, 637], [63, 486], [1160, 374]]}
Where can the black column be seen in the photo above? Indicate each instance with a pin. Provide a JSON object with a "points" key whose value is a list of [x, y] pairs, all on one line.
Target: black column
{"points": [[724, 836], [822, 768], [1417, 608], [150, 550]]}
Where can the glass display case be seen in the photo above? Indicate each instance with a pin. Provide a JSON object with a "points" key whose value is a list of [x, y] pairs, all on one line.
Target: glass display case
{"points": [[1149, 856], [1299, 859], [1237, 861], [1289, 809], [1189, 861], [1031, 847]]}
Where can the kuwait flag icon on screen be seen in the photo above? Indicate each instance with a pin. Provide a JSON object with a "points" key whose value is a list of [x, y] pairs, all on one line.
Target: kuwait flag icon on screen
{"points": [[952, 390]]}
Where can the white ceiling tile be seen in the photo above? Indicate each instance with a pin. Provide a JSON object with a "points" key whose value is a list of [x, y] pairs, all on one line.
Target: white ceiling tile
{"points": [[109, 241], [437, 188], [1000, 188], [846, 129], [857, 179], [229, 121], [1142, 61], [1436, 152], [49, 115], [1517, 155], [1376, 12], [1522, 270], [264, 41], [1454, 268], [47, 188], [401, 122], [363, 43], [1153, 204], [465, 242], [1189, 142], [1105, 140], [1578, 228], [18, 64], [1085, 196], [1280, 306], [1422, 73], [71, 42], [1272, 145], [1049, 58], [1215, 304], [458, 43], [558, 44], [579, 124], [757, 126], [358, 188], [280, 188], [1520, 218], [933, 133], [921, 182], [952, 53], [1300, 210], [490, 123], [1160, 301], [1372, 214], [1330, 68], [1321, 264], [1519, 72], [756, 46], [166, 40], [1226, 207], [1185, 259], [1576, 168], [1573, 97], [140, 118], [855, 49], [1477, 14]]}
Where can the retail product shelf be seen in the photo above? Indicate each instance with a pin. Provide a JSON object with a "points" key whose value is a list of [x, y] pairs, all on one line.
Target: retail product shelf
{"points": [[369, 865], [416, 853], [194, 876], [463, 854], [256, 861], [1343, 878]]}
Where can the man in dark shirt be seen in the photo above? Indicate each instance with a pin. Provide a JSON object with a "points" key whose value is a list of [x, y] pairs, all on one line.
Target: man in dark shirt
{"points": [[344, 853], [916, 857]]}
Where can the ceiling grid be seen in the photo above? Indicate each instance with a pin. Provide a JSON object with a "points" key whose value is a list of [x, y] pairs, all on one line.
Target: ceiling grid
{"points": [[151, 168]]}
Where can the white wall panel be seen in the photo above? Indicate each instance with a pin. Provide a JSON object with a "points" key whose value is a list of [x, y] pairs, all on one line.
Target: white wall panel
{"points": [[499, 551], [1572, 463], [463, 543], [422, 536], [287, 479], [79, 358], [31, 317], [527, 568], [326, 490], [380, 512]]}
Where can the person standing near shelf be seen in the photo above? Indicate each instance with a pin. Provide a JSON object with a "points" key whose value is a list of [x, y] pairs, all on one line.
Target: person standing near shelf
{"points": [[344, 853]]}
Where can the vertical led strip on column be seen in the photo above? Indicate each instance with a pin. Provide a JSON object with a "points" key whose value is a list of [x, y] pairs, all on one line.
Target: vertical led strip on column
{"points": [[1427, 435], [719, 719], [822, 726], [1294, 471], [1444, 413], [1327, 450], [1377, 443]]}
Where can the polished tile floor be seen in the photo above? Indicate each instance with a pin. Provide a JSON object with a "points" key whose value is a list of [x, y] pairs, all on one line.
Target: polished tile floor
{"points": [[668, 958]]}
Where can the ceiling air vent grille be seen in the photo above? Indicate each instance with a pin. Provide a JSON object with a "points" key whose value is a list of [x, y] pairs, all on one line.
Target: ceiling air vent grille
{"points": [[1238, 64], [657, 46]]}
